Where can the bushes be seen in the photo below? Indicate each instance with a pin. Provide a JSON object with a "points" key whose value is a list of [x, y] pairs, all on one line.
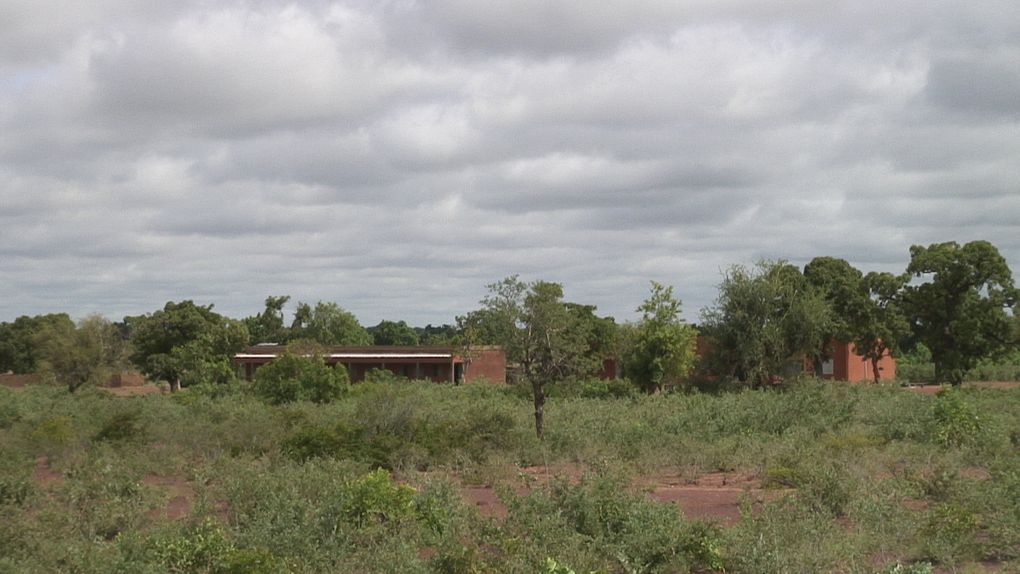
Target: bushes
{"points": [[295, 378]]}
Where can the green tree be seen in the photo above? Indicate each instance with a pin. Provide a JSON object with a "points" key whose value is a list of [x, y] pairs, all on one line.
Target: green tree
{"points": [[88, 353], [880, 323], [665, 347], [438, 335], [19, 340], [841, 285], [393, 333], [959, 309], [184, 342], [267, 326], [329, 324], [866, 309], [765, 321], [546, 338], [305, 377]]}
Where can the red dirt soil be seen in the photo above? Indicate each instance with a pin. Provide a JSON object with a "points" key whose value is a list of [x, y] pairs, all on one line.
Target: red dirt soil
{"points": [[715, 496], [182, 497]]}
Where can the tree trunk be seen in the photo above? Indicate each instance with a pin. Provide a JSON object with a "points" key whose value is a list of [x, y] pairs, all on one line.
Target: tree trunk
{"points": [[538, 389], [175, 385], [874, 369]]}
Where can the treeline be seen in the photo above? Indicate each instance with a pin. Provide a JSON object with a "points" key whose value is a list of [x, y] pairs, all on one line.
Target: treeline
{"points": [[955, 302]]}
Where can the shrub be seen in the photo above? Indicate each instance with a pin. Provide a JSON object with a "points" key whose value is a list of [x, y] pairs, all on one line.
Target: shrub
{"points": [[298, 378], [121, 426], [956, 421]]}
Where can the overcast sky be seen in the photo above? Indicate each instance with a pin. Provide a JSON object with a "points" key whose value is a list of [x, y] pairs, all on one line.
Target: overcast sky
{"points": [[397, 156]]}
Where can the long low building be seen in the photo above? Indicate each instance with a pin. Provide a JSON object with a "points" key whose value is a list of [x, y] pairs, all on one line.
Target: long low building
{"points": [[440, 364]]}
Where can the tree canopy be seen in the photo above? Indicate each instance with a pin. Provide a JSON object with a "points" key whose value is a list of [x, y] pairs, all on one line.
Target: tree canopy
{"points": [[184, 343], [665, 347], [88, 353], [959, 307], [765, 321], [19, 349]]}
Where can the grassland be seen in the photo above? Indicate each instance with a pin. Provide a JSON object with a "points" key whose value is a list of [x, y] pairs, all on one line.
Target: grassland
{"points": [[414, 477]]}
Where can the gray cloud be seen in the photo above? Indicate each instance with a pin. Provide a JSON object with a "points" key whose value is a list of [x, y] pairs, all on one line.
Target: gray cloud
{"points": [[395, 157]]}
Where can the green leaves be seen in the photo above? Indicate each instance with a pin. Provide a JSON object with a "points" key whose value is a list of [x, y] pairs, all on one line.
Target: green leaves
{"points": [[959, 311]]}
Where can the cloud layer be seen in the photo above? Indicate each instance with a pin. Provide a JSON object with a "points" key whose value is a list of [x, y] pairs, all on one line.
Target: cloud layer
{"points": [[397, 156]]}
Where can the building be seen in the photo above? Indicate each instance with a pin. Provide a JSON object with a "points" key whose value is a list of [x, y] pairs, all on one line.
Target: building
{"points": [[846, 365], [439, 364]]}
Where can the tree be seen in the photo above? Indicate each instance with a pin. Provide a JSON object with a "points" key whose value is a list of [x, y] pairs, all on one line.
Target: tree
{"points": [[866, 309], [665, 347], [545, 337], [185, 343], [19, 340], [880, 324], [959, 310], [765, 322], [88, 353], [393, 333], [329, 324], [304, 377], [842, 287], [267, 326]]}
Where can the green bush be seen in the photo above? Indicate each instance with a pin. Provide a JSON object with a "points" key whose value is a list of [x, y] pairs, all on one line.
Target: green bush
{"points": [[956, 421], [121, 426], [298, 378]]}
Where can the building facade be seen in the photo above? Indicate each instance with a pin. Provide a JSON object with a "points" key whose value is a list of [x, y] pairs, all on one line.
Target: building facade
{"points": [[439, 364]]}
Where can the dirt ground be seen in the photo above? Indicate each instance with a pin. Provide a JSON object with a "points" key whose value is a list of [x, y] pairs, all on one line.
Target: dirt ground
{"points": [[715, 496]]}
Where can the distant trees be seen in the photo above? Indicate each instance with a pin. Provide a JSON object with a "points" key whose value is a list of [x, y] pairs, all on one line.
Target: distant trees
{"points": [[393, 333], [88, 353], [185, 343], [959, 310], [19, 340], [765, 322], [664, 350], [327, 323]]}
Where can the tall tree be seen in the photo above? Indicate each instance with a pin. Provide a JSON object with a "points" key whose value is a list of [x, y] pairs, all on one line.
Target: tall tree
{"points": [[959, 309], [765, 321], [268, 326], [88, 353], [880, 324], [841, 284], [185, 343], [665, 349], [545, 337]]}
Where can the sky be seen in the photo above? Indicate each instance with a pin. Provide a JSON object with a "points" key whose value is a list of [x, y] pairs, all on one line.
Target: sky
{"points": [[396, 156]]}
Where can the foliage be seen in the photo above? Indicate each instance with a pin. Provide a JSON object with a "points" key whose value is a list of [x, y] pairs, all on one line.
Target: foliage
{"points": [[956, 421], [765, 322], [86, 354], [959, 311], [294, 377], [329, 324], [185, 343], [547, 338], [665, 350], [19, 340], [268, 326], [393, 333]]}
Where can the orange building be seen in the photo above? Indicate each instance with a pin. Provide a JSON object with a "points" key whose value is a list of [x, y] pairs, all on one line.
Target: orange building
{"points": [[440, 364], [846, 365]]}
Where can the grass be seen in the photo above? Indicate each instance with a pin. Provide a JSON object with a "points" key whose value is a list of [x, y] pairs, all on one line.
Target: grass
{"points": [[866, 479]]}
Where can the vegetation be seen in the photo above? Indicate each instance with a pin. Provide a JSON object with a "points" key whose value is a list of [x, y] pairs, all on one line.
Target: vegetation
{"points": [[960, 311], [766, 321], [856, 479]]}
